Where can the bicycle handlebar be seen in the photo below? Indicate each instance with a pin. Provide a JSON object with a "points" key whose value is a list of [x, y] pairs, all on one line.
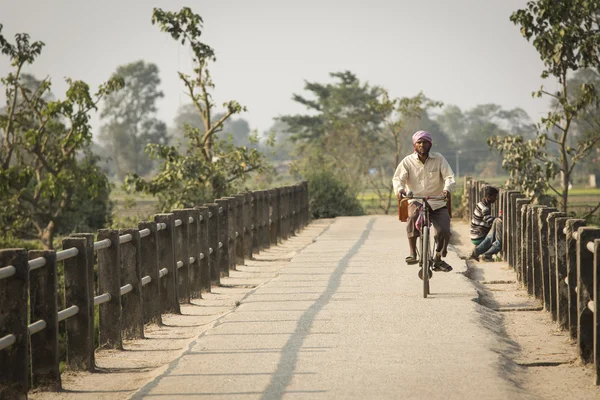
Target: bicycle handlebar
{"points": [[426, 197]]}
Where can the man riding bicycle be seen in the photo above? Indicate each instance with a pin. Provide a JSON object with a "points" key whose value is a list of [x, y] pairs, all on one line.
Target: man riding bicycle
{"points": [[426, 173]]}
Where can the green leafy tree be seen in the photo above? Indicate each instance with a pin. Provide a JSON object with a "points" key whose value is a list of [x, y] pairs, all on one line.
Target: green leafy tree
{"points": [[208, 167], [237, 130], [329, 197], [344, 120], [566, 34], [391, 145], [131, 119], [48, 177]]}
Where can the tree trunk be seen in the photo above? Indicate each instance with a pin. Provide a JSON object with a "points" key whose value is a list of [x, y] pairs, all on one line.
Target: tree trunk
{"points": [[47, 236], [565, 192]]}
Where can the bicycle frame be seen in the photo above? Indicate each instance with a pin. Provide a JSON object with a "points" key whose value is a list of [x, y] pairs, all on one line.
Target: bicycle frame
{"points": [[425, 246]]}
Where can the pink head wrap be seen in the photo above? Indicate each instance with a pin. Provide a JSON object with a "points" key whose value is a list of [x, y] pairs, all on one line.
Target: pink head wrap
{"points": [[422, 135]]}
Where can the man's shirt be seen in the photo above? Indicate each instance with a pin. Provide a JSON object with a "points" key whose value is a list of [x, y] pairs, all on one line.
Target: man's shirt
{"points": [[482, 220], [425, 179]]}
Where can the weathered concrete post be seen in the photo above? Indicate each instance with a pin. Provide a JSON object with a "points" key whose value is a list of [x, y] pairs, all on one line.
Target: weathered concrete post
{"points": [[248, 225], [205, 256], [223, 247], [285, 212], [527, 250], [182, 254], [503, 200], [562, 289], [585, 290], [169, 298], [45, 364], [132, 305], [519, 234], [571, 244], [273, 216], [255, 226], [258, 199], [239, 228], [14, 360], [509, 227], [542, 222], [551, 249], [266, 241], [293, 227], [89, 246], [80, 341], [195, 274], [596, 296], [109, 281], [149, 268], [232, 204], [213, 243], [538, 275]]}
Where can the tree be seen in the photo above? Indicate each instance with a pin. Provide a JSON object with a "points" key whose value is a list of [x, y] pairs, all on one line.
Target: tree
{"points": [[566, 34], [208, 167], [131, 119], [48, 177], [391, 144], [338, 133], [235, 129]]}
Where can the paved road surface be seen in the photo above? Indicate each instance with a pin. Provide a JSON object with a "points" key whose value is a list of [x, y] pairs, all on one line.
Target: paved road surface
{"points": [[346, 320]]}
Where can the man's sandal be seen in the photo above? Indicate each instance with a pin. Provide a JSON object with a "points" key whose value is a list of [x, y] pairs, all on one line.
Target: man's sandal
{"points": [[411, 260]]}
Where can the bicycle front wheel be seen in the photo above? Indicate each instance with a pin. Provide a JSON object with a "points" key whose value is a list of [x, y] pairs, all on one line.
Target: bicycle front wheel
{"points": [[425, 257]]}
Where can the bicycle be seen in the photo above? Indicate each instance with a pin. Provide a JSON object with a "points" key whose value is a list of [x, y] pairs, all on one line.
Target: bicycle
{"points": [[425, 246]]}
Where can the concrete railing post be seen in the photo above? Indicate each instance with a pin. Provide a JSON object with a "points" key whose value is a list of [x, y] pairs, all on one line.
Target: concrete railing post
{"points": [[572, 225], [223, 249], [150, 267], [527, 253], [214, 230], [131, 303], [255, 226], [194, 273], [257, 238], [544, 253], [80, 338], [585, 290], [89, 246], [596, 299], [240, 200], [285, 213], [14, 361], [509, 227], [169, 297], [248, 225], [562, 289], [43, 288], [519, 234], [536, 257], [109, 281], [552, 261], [182, 255], [232, 204], [205, 256], [292, 210], [266, 241], [503, 200], [273, 217]]}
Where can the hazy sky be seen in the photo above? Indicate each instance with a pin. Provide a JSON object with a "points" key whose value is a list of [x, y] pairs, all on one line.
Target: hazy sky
{"points": [[463, 52]]}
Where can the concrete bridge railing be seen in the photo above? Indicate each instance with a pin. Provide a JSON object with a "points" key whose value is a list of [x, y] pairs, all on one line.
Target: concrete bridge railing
{"points": [[557, 258], [133, 276]]}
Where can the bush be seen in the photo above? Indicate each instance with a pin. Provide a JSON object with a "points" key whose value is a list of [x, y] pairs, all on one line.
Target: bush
{"points": [[329, 197]]}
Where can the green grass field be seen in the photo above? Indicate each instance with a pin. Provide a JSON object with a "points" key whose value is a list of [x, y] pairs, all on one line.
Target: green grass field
{"points": [[582, 199]]}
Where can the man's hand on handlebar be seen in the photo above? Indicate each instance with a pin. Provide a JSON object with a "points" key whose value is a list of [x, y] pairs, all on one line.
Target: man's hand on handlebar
{"points": [[446, 194], [401, 193]]}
